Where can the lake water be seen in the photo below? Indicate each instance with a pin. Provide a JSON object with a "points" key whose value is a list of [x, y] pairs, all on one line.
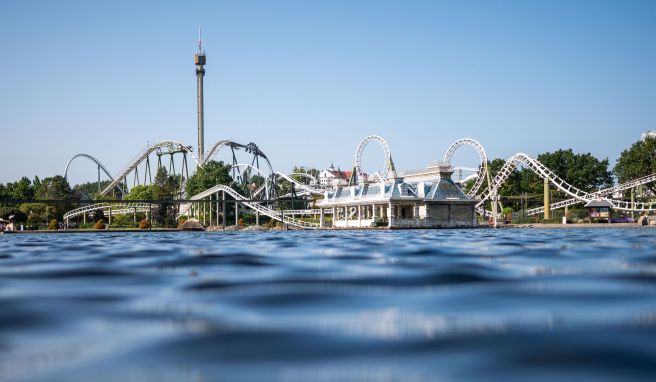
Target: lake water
{"points": [[507, 304]]}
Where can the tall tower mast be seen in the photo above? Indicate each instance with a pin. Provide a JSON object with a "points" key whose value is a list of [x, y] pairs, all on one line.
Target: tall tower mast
{"points": [[199, 60]]}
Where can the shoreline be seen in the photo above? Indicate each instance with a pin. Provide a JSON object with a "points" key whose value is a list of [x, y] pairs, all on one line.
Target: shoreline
{"points": [[263, 229]]}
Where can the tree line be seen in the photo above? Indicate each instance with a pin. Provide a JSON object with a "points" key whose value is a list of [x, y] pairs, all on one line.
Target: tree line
{"points": [[583, 171]]}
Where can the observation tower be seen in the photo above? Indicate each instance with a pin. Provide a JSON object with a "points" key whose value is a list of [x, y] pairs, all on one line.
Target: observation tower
{"points": [[199, 60]]}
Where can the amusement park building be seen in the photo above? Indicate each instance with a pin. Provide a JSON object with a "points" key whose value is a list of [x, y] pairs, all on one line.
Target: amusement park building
{"points": [[397, 203], [333, 178]]}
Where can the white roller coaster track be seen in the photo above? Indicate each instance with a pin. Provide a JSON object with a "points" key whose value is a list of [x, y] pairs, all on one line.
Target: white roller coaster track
{"points": [[482, 171], [388, 169], [541, 170], [250, 148], [277, 215], [173, 145], [297, 184], [88, 157], [313, 180], [116, 209], [577, 195], [621, 205]]}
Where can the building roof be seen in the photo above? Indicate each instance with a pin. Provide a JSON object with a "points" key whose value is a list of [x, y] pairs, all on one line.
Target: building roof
{"points": [[445, 189], [599, 203], [341, 174]]}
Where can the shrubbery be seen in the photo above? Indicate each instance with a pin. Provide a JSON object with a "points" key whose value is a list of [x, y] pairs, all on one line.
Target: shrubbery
{"points": [[100, 224], [53, 225]]}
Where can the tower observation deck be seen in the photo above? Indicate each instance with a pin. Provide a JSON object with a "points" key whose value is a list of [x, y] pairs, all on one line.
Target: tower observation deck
{"points": [[199, 60]]}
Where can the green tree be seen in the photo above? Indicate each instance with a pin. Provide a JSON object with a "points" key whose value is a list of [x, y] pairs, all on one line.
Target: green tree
{"points": [[89, 189], [54, 188], [165, 189], [637, 161], [23, 189], [141, 192], [207, 176], [582, 171]]}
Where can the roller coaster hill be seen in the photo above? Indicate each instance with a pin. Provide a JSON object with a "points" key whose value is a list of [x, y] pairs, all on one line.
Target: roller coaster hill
{"points": [[428, 198]]}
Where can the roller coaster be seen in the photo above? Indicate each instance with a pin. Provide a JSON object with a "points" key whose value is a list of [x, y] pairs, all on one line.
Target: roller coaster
{"points": [[270, 183]]}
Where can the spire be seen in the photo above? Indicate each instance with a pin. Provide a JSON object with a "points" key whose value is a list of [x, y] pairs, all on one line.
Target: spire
{"points": [[200, 40]]}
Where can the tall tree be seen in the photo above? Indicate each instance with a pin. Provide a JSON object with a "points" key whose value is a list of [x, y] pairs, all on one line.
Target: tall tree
{"points": [[55, 187], [165, 189], [90, 189], [207, 176], [23, 189], [141, 192], [51, 188], [637, 161], [582, 171]]}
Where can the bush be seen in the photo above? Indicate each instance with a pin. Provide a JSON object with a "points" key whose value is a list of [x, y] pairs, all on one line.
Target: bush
{"points": [[100, 224], [53, 225], [144, 224], [241, 222], [181, 221]]}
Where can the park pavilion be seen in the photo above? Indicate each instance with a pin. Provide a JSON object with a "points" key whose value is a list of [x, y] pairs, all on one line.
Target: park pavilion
{"points": [[396, 203]]}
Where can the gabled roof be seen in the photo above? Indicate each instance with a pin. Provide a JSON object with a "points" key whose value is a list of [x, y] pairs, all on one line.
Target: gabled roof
{"points": [[599, 203]]}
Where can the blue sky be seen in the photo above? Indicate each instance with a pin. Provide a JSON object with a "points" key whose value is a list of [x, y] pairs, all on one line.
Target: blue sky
{"points": [[307, 80]]}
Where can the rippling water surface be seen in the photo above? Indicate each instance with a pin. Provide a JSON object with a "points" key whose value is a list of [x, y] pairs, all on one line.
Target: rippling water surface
{"points": [[511, 304]]}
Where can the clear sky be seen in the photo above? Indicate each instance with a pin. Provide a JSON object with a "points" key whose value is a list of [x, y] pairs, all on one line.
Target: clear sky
{"points": [[307, 80]]}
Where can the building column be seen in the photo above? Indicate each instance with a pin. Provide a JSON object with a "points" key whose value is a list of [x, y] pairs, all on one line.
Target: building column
{"points": [[321, 218], [359, 216], [334, 217], [391, 214], [415, 212]]}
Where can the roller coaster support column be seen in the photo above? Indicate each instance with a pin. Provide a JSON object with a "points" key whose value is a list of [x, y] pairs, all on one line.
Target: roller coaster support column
{"points": [[547, 200], [236, 213], [110, 217], [632, 201], [223, 206], [216, 197], [257, 218], [495, 208]]}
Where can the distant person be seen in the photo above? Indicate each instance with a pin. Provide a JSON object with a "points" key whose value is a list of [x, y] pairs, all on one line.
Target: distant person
{"points": [[10, 226]]}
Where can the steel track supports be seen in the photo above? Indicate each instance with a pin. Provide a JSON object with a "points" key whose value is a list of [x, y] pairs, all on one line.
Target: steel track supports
{"points": [[547, 200]]}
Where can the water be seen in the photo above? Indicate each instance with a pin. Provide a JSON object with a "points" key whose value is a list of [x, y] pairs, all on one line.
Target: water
{"points": [[513, 304]]}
